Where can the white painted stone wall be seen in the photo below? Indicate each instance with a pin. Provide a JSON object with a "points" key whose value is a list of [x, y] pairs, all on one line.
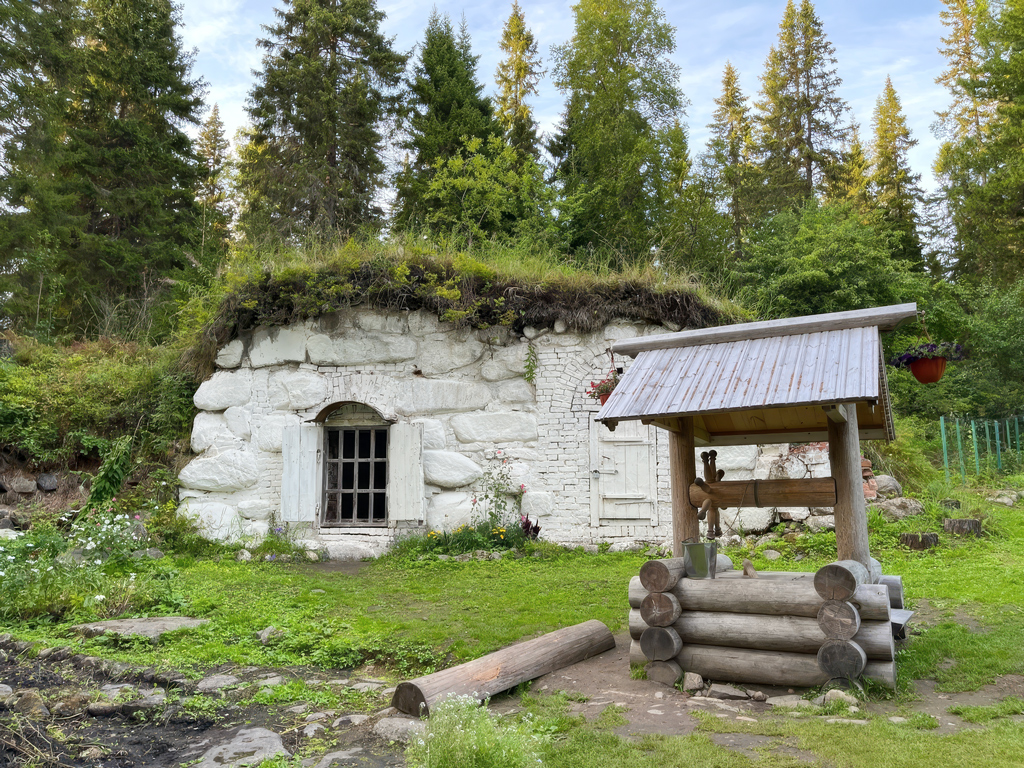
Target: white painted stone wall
{"points": [[465, 388]]}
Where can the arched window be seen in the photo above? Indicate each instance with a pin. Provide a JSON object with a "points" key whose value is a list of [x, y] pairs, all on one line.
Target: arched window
{"points": [[355, 480]]}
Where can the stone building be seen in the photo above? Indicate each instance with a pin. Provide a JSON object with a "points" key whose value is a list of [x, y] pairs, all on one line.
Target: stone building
{"points": [[364, 424]]}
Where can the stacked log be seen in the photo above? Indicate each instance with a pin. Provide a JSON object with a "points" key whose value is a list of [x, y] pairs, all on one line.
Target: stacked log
{"points": [[789, 629]]}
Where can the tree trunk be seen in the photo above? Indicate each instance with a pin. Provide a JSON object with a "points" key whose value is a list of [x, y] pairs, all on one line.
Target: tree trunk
{"points": [[773, 597], [962, 527], [660, 643], [504, 669], [839, 581], [745, 665], [794, 634], [659, 609], [661, 575], [842, 658]]}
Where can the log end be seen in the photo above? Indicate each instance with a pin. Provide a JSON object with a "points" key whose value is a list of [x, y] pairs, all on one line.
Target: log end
{"points": [[409, 699]]}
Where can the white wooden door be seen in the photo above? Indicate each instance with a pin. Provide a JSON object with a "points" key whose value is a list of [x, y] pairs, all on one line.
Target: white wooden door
{"points": [[623, 468]]}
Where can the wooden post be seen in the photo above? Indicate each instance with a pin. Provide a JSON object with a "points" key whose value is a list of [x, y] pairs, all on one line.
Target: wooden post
{"points": [[960, 453], [683, 466], [974, 438], [945, 450], [988, 446], [850, 512]]}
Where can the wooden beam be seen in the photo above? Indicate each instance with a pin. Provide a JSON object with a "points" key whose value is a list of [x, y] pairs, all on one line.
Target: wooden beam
{"points": [[850, 513], [683, 469], [836, 413], [811, 492], [884, 318]]}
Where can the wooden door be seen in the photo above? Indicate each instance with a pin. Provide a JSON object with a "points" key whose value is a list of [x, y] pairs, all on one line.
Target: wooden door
{"points": [[623, 468]]}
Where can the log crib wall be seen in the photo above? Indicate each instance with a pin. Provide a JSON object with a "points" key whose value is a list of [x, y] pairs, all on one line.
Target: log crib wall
{"points": [[779, 628]]}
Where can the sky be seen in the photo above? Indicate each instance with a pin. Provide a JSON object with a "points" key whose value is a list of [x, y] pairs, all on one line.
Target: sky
{"points": [[873, 39]]}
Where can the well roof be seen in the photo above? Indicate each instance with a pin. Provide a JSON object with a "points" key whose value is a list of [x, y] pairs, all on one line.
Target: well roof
{"points": [[761, 382]]}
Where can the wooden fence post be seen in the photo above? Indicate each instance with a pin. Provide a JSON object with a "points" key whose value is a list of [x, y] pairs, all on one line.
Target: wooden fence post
{"points": [[945, 450]]}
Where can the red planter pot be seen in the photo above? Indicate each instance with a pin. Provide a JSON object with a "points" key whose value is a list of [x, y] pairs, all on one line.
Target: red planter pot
{"points": [[604, 398], [928, 370]]}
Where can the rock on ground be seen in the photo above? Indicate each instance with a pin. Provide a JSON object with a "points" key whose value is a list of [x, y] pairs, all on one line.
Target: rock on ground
{"points": [[899, 508], [398, 729], [153, 628], [247, 747]]}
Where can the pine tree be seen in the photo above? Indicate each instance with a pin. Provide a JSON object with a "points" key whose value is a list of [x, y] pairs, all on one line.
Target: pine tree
{"points": [[517, 77], [212, 191], [446, 108], [967, 115], [801, 116], [318, 110], [729, 151], [622, 96], [894, 186]]}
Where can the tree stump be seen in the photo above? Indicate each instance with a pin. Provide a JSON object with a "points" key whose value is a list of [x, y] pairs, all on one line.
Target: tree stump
{"points": [[919, 541], [962, 526]]}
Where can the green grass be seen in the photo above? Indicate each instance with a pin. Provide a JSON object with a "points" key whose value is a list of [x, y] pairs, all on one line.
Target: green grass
{"points": [[1011, 705]]}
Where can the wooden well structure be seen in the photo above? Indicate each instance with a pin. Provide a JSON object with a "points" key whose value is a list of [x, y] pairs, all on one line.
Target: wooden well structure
{"points": [[814, 378]]}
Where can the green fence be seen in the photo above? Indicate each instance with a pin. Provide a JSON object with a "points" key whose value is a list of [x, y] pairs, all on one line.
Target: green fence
{"points": [[980, 446]]}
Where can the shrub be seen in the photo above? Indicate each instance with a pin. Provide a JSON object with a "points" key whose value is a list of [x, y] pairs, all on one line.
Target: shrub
{"points": [[462, 734]]}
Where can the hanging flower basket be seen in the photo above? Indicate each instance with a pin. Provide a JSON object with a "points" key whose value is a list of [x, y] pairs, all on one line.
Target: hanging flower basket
{"points": [[601, 390], [927, 362], [928, 370]]}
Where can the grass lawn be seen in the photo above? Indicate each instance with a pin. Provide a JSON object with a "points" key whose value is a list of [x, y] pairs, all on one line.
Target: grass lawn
{"points": [[405, 616]]}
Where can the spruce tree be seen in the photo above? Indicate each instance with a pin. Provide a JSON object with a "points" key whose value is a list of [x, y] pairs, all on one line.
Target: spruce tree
{"points": [[894, 186], [121, 210], [318, 111], [997, 202], [622, 98], [847, 180], [212, 191], [517, 77], [446, 107], [800, 114], [729, 151]]}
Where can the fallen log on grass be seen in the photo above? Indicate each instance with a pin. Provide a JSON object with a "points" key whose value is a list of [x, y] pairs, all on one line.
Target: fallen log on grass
{"points": [[504, 669]]}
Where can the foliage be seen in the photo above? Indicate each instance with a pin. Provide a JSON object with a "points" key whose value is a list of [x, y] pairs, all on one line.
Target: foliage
{"points": [[622, 99], [1011, 705], [603, 387], [115, 201], [109, 480], [461, 733], [446, 109], [823, 258], [319, 108], [530, 364], [906, 457], [66, 403]]}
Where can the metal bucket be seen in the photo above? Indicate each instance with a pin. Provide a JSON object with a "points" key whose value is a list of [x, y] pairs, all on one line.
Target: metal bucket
{"points": [[700, 559]]}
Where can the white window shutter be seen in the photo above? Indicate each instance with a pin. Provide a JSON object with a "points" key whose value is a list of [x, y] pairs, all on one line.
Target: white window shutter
{"points": [[301, 489], [405, 471]]}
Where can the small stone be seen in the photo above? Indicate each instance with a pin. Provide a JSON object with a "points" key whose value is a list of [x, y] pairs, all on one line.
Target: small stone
{"points": [[350, 720], [5, 690], [896, 719], [399, 729], [315, 716], [103, 708], [23, 485], [92, 753], [243, 556], [298, 709], [692, 682], [846, 721], [727, 692], [791, 701], [216, 682], [313, 730], [746, 719], [271, 682], [339, 681], [655, 712], [318, 591], [366, 687], [758, 695], [771, 554], [269, 635], [837, 695], [312, 556], [143, 705], [47, 482], [28, 702]]}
